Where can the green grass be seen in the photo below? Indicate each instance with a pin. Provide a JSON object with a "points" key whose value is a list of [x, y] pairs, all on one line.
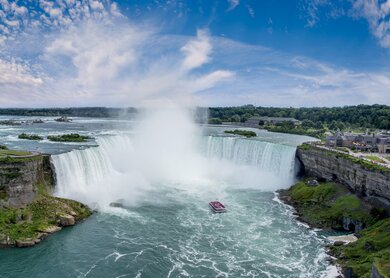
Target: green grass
{"points": [[343, 149], [26, 222], [246, 133], [375, 158], [13, 153], [325, 205], [73, 137], [317, 133], [21, 159], [372, 246], [29, 136]]}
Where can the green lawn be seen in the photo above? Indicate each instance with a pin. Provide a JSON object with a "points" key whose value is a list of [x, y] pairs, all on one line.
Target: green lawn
{"points": [[13, 153], [375, 158]]}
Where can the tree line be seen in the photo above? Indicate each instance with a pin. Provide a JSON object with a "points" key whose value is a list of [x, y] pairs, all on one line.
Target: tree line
{"points": [[359, 116]]}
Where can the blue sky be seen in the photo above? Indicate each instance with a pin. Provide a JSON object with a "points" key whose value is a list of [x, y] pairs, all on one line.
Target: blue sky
{"points": [[201, 52]]}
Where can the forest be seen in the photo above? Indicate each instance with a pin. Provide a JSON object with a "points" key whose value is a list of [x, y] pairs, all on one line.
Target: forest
{"points": [[360, 116]]}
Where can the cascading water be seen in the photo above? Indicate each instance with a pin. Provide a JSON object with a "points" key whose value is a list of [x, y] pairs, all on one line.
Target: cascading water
{"points": [[265, 156], [165, 172], [117, 169]]}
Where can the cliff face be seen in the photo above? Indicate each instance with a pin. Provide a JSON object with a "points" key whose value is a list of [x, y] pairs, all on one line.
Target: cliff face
{"points": [[370, 182], [22, 178], [28, 213]]}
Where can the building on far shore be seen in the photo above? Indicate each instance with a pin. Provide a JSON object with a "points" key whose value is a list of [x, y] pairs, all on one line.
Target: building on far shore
{"points": [[363, 142], [384, 145]]}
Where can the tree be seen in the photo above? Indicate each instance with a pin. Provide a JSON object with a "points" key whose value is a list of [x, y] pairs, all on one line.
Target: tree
{"points": [[308, 124], [235, 118]]}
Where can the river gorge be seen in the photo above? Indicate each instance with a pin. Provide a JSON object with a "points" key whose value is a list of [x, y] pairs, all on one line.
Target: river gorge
{"points": [[163, 176]]}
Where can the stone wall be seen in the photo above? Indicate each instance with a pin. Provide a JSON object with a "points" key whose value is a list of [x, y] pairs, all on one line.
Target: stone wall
{"points": [[371, 183], [20, 179]]}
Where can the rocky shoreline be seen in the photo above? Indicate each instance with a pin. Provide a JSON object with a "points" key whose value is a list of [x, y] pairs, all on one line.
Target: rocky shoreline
{"points": [[317, 204], [28, 212]]}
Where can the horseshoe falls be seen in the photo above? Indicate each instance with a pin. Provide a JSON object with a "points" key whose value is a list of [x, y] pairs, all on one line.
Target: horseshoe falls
{"points": [[115, 170], [161, 181]]}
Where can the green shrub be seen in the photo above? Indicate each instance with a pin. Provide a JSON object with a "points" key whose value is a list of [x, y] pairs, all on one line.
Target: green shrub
{"points": [[29, 136], [73, 137], [246, 133], [372, 247]]}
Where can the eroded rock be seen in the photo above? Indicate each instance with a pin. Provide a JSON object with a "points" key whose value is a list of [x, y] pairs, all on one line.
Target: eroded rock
{"points": [[28, 242], [50, 230], [67, 220]]}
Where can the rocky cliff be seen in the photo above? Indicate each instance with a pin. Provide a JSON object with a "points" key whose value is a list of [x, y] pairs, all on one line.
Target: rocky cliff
{"points": [[21, 178], [28, 212], [366, 180]]}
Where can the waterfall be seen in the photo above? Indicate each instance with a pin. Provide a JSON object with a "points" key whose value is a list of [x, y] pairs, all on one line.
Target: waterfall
{"points": [[276, 158], [123, 168]]}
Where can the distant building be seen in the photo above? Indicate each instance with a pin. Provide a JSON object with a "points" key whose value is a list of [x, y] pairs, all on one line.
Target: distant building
{"points": [[364, 142], [384, 145]]}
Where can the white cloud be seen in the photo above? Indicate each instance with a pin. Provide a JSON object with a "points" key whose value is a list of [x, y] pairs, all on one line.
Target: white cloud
{"points": [[52, 14], [94, 64], [271, 78], [377, 14], [197, 51], [12, 73]]}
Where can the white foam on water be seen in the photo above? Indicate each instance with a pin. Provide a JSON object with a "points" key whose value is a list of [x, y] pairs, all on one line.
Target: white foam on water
{"points": [[130, 166]]}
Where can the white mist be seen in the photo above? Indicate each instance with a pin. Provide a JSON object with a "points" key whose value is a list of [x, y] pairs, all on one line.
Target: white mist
{"points": [[166, 151]]}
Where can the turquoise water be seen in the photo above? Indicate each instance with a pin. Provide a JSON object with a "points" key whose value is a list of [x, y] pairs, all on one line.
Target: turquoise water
{"points": [[166, 229], [258, 237]]}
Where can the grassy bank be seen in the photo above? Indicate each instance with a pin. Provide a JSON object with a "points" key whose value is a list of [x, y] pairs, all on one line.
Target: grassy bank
{"points": [[23, 224], [320, 134], [26, 223], [325, 205], [372, 246]]}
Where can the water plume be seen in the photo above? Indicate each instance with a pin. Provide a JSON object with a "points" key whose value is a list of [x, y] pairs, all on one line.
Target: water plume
{"points": [[166, 151]]}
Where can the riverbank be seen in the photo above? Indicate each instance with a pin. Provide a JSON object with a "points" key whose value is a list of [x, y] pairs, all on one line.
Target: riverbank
{"points": [[332, 206], [27, 226], [28, 212]]}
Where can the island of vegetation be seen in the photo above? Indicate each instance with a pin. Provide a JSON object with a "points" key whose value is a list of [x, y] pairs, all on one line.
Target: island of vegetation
{"points": [[246, 133], [30, 136], [73, 137], [28, 213]]}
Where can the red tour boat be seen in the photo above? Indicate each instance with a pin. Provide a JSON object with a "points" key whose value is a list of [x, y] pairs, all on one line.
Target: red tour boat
{"points": [[217, 206]]}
